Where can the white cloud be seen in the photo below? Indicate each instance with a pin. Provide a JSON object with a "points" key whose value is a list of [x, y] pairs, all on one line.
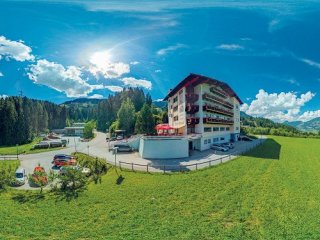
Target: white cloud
{"points": [[114, 88], [310, 62], [230, 47], [1, 74], [3, 96], [309, 115], [133, 82], [134, 63], [164, 51], [16, 50], [56, 76], [273, 25], [101, 65], [278, 107], [96, 96], [158, 100], [158, 71]]}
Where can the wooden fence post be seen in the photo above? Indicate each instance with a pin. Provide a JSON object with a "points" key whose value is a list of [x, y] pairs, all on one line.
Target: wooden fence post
{"points": [[132, 166], [147, 167], [196, 166], [164, 168]]}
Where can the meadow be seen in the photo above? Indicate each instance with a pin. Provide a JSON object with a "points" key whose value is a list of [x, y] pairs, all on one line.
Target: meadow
{"points": [[272, 192], [25, 148]]}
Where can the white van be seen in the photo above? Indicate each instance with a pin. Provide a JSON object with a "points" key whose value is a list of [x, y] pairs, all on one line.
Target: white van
{"points": [[20, 176]]}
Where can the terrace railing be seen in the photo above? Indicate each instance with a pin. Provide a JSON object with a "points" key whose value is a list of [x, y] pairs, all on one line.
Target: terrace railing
{"points": [[166, 168]]}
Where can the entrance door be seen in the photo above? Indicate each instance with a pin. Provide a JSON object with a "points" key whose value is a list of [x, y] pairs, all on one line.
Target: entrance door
{"points": [[190, 145]]}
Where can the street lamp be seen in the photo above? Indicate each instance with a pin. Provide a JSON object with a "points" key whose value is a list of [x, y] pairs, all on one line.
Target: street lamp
{"points": [[88, 150], [115, 150]]}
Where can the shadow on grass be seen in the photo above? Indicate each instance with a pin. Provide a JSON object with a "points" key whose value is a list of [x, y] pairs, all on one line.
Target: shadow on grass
{"points": [[270, 149], [28, 197], [119, 180]]}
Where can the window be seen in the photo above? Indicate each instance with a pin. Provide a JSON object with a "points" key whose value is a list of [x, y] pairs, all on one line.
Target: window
{"points": [[205, 141], [175, 118], [222, 139], [207, 129], [215, 129], [175, 99], [237, 128], [222, 129], [175, 108], [227, 129], [209, 141], [215, 140]]}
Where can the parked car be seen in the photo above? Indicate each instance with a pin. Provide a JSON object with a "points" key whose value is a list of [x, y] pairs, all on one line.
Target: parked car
{"points": [[119, 137], [219, 148], [20, 177], [64, 161], [228, 145], [62, 156], [123, 148], [84, 170]]}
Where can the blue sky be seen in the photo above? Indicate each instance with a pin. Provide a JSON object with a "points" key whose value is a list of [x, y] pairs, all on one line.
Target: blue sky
{"points": [[268, 52]]}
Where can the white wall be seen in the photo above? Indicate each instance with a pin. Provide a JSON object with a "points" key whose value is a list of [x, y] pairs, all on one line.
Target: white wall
{"points": [[226, 136], [163, 148]]}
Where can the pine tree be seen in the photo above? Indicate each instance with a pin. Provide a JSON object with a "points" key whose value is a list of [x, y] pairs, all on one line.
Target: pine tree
{"points": [[126, 116]]}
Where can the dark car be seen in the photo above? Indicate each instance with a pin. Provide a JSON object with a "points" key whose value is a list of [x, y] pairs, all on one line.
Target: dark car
{"points": [[123, 148]]}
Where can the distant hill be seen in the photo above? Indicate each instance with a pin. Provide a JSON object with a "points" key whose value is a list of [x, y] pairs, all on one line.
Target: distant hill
{"points": [[310, 126], [83, 101], [160, 104], [256, 122]]}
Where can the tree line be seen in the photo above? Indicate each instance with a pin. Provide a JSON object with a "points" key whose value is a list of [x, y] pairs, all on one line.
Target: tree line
{"points": [[262, 126], [21, 119]]}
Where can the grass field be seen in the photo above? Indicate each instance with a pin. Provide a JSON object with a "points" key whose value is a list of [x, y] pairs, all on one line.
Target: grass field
{"points": [[271, 193], [24, 149]]}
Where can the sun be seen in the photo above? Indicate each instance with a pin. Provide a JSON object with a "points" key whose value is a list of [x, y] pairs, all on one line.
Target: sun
{"points": [[101, 58]]}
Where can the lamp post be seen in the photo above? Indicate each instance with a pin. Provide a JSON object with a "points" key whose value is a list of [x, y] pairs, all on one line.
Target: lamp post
{"points": [[17, 145], [115, 150], [88, 149], [75, 144]]}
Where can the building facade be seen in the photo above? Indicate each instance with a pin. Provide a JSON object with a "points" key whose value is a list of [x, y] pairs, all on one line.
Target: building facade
{"points": [[204, 109]]}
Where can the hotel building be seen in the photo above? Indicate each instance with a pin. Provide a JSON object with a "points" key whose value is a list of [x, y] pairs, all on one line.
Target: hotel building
{"points": [[204, 109]]}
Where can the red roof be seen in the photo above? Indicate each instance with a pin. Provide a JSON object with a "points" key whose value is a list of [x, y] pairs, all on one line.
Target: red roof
{"points": [[196, 79]]}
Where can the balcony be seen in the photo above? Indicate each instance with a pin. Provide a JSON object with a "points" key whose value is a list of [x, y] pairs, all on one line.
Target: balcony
{"points": [[192, 97], [192, 109], [218, 92], [215, 109], [212, 98], [217, 121], [192, 120]]}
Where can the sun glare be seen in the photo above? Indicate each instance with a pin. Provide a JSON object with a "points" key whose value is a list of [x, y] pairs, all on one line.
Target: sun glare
{"points": [[100, 58]]}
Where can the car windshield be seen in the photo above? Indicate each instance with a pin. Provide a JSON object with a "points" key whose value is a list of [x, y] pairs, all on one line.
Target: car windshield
{"points": [[19, 175]]}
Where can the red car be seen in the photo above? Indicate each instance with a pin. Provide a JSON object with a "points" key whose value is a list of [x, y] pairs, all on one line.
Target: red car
{"points": [[64, 161]]}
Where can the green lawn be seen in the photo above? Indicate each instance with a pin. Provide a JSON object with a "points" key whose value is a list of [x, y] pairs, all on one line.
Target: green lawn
{"points": [[271, 193], [24, 149], [9, 164]]}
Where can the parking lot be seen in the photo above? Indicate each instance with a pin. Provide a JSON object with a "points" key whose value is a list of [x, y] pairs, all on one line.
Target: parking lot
{"points": [[98, 147]]}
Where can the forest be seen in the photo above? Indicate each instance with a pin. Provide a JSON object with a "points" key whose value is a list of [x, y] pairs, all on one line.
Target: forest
{"points": [[22, 119]]}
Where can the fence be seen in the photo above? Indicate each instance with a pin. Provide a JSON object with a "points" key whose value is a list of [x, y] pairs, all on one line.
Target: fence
{"points": [[9, 158], [185, 167]]}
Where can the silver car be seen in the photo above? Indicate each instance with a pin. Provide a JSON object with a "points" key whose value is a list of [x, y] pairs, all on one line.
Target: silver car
{"points": [[219, 148], [20, 177]]}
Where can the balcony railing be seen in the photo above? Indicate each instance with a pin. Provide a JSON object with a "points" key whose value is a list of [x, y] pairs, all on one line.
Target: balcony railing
{"points": [[217, 121], [208, 97], [193, 120], [192, 97], [192, 109], [215, 109], [218, 92]]}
